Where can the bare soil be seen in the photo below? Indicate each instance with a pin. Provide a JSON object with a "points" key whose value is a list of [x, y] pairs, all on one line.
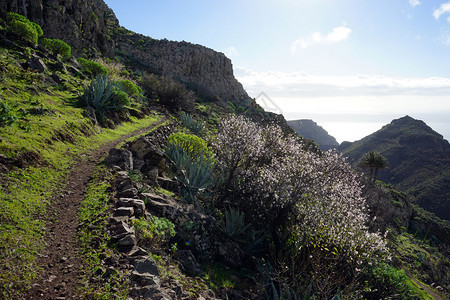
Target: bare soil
{"points": [[61, 262]]}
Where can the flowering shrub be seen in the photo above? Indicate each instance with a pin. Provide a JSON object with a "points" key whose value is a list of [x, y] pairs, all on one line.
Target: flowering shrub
{"points": [[311, 202]]}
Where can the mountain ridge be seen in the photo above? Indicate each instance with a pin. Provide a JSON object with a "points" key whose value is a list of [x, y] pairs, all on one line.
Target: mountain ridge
{"points": [[418, 158], [311, 130], [91, 28]]}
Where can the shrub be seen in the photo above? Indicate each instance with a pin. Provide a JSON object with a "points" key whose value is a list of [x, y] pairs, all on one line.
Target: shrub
{"points": [[121, 98], [92, 67], [7, 117], [193, 145], [115, 70], [154, 231], [23, 28], [167, 92], [311, 202], [130, 88], [57, 47]]}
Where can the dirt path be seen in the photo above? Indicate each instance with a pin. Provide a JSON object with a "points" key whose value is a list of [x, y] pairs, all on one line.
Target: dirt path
{"points": [[426, 288], [61, 262]]}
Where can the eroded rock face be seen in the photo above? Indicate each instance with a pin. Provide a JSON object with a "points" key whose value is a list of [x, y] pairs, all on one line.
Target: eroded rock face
{"points": [[209, 71], [83, 24], [90, 26]]}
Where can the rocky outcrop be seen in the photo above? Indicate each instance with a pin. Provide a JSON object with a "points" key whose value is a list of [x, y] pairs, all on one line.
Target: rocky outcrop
{"points": [[202, 69], [84, 24], [91, 28], [310, 130]]}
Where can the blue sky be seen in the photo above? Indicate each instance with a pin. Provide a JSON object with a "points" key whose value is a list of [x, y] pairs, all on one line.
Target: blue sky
{"points": [[350, 65]]}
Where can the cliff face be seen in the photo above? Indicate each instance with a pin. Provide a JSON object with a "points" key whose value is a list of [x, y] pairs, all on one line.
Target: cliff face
{"points": [[310, 130], [196, 65], [83, 24], [418, 161], [90, 27]]}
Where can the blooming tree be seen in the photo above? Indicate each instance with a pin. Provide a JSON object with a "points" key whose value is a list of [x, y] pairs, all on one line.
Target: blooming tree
{"points": [[315, 197]]}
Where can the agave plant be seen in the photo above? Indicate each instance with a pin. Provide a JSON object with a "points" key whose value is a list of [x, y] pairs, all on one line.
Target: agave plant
{"points": [[99, 95], [187, 121], [196, 178], [179, 158], [233, 224], [194, 175]]}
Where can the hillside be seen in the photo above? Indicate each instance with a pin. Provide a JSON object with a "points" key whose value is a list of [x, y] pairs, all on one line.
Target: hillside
{"points": [[154, 176], [310, 130], [418, 161]]}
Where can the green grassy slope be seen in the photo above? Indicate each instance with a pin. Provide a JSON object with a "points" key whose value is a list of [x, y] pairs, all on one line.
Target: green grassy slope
{"points": [[37, 151]]}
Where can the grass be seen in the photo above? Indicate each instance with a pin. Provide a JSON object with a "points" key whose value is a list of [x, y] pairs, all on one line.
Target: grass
{"points": [[25, 194], [422, 262], [40, 148], [93, 214]]}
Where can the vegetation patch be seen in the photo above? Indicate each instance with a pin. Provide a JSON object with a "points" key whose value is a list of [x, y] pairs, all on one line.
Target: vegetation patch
{"points": [[42, 136], [94, 214]]}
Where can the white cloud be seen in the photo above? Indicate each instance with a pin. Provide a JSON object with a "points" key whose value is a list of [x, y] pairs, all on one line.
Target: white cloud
{"points": [[302, 83], [338, 34], [352, 100], [414, 2], [444, 8], [231, 52]]}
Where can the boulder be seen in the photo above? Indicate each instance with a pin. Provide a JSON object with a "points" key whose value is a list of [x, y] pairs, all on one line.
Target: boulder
{"points": [[122, 227], [123, 211], [129, 193], [127, 241], [146, 265], [120, 157], [151, 154], [189, 263], [137, 204], [138, 163], [35, 63]]}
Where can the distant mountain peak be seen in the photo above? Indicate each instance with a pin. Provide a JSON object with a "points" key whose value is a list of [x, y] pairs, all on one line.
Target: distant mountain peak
{"points": [[311, 130], [418, 157]]}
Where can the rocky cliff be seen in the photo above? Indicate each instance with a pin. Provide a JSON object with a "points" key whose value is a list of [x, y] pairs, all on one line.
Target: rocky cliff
{"points": [[310, 130], [92, 29], [204, 70], [418, 161], [83, 24]]}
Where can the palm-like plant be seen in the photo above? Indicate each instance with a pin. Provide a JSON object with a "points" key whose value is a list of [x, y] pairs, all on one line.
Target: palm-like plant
{"points": [[375, 161]]}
